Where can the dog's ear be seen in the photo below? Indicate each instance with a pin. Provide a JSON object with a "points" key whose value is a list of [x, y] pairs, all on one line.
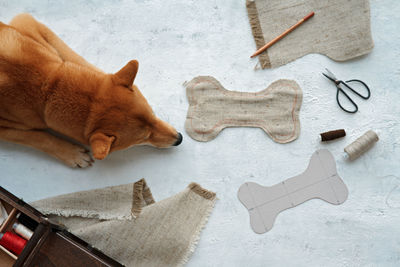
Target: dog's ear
{"points": [[127, 74], [100, 144]]}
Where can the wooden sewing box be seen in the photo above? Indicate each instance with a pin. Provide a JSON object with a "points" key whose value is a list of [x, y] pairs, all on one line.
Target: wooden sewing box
{"points": [[51, 245]]}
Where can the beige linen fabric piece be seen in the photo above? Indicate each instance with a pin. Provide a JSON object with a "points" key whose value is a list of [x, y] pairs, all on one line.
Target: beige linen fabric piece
{"points": [[213, 108], [126, 224], [340, 29]]}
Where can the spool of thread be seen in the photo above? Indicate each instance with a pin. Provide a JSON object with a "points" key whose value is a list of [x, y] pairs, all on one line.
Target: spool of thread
{"points": [[12, 242], [22, 231], [332, 135], [361, 145], [27, 221]]}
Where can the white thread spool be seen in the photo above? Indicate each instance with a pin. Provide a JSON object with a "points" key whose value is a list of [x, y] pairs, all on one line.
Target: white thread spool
{"points": [[22, 231], [361, 145]]}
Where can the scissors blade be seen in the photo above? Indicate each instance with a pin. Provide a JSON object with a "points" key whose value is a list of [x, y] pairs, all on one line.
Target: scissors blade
{"points": [[330, 76]]}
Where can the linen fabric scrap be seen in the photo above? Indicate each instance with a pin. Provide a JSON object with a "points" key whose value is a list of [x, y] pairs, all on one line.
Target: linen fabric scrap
{"points": [[213, 108], [128, 225], [340, 29]]}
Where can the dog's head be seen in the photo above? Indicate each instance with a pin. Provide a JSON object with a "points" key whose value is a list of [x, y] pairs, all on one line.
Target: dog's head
{"points": [[121, 117]]}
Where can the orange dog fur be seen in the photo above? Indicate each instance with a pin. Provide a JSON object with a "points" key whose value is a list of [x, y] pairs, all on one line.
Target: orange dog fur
{"points": [[45, 85]]}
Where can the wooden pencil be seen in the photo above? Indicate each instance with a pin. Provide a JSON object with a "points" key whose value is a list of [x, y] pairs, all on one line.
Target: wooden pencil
{"points": [[269, 44]]}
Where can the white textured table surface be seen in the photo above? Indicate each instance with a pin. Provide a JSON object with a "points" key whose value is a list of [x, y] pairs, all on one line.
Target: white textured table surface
{"points": [[179, 39]]}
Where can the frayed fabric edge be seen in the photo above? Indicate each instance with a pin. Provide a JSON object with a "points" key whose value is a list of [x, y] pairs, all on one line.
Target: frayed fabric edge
{"points": [[196, 237], [196, 188], [257, 32], [142, 197], [87, 214]]}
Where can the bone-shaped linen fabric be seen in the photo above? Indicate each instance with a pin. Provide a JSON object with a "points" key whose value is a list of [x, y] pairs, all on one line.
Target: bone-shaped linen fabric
{"points": [[340, 29], [213, 108], [320, 180]]}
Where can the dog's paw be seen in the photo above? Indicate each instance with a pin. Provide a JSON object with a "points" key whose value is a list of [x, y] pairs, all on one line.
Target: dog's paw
{"points": [[76, 156]]}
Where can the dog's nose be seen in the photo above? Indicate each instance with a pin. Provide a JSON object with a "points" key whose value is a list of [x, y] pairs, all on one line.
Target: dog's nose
{"points": [[178, 140]]}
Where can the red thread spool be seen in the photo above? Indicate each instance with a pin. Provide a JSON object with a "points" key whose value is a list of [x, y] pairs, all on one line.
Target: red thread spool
{"points": [[12, 242]]}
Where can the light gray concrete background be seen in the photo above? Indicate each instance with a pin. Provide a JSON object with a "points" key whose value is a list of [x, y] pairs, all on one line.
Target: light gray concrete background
{"points": [[179, 39]]}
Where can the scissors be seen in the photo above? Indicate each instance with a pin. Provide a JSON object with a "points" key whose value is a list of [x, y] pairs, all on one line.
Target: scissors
{"points": [[338, 84]]}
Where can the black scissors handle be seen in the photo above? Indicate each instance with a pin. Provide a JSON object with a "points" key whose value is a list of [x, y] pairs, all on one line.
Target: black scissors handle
{"points": [[354, 91], [340, 90]]}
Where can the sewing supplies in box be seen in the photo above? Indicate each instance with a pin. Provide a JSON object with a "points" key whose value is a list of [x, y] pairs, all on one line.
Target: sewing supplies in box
{"points": [[27, 238]]}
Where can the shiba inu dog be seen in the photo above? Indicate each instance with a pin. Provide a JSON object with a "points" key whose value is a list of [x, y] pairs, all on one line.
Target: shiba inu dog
{"points": [[45, 85]]}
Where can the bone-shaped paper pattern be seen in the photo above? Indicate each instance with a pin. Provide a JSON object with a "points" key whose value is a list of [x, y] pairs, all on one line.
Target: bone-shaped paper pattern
{"points": [[213, 108], [319, 180]]}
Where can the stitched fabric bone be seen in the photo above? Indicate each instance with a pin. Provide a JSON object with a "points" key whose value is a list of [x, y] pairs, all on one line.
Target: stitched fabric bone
{"points": [[213, 108], [320, 180]]}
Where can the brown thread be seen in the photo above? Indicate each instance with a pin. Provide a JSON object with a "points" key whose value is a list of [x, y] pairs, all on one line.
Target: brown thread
{"points": [[331, 135]]}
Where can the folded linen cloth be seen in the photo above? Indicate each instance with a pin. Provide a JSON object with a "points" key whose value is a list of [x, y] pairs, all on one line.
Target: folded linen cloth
{"points": [[128, 225]]}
